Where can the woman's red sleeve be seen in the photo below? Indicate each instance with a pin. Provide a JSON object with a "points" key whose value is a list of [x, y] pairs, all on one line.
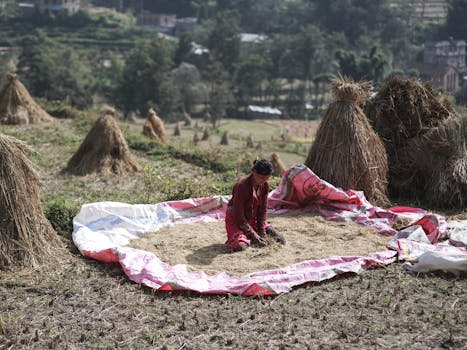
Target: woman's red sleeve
{"points": [[263, 206], [240, 195]]}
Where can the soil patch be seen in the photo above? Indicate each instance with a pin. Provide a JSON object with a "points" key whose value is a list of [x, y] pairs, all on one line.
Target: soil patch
{"points": [[201, 245]]}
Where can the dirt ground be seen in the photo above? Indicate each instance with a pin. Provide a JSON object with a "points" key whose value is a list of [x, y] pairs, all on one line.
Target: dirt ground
{"points": [[84, 304], [81, 303], [309, 236]]}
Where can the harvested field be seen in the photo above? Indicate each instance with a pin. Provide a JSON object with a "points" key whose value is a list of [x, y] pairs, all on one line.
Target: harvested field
{"points": [[84, 304], [301, 129]]}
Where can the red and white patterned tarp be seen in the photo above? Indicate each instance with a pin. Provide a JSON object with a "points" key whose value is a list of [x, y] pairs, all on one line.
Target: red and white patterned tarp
{"points": [[103, 230]]}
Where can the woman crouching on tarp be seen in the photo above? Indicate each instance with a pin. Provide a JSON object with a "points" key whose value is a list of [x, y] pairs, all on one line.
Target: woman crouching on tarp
{"points": [[245, 219]]}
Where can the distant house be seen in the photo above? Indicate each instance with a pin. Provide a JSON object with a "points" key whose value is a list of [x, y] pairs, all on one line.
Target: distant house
{"points": [[31, 6], [443, 76], [249, 42], [443, 63], [70, 6], [260, 112], [164, 23], [187, 24], [429, 11], [426, 11], [451, 52], [197, 49]]}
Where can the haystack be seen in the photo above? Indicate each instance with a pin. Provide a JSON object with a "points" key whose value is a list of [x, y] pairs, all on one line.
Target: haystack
{"points": [[425, 142], [132, 117], [104, 150], [177, 131], [277, 165], [26, 237], [188, 119], [347, 152], [249, 141], [18, 107], [206, 134], [225, 139], [154, 127], [207, 118], [195, 138], [440, 159]]}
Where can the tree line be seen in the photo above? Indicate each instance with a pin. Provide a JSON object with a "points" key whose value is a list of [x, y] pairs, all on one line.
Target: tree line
{"points": [[303, 43]]}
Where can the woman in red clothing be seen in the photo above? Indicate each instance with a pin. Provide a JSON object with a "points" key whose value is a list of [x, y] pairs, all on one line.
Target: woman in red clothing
{"points": [[245, 219]]}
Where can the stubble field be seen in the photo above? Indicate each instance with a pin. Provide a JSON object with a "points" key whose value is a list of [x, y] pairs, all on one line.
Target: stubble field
{"points": [[80, 303]]}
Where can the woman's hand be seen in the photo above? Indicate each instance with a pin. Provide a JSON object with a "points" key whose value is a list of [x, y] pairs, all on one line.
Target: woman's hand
{"points": [[257, 239]]}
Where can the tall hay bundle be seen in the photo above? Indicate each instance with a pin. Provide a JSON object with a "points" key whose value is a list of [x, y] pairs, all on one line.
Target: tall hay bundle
{"points": [[18, 107], [132, 117], [404, 109], [26, 237], [177, 131], [225, 139], [196, 138], [154, 127], [277, 165], [149, 131], [188, 119], [440, 159], [347, 152], [206, 134], [104, 150], [249, 142]]}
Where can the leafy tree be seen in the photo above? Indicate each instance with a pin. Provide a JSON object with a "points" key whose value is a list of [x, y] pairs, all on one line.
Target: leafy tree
{"points": [[183, 49], [146, 80], [8, 9], [250, 75], [456, 24], [108, 75], [371, 66], [224, 40], [7, 63], [55, 72], [220, 92], [188, 80]]}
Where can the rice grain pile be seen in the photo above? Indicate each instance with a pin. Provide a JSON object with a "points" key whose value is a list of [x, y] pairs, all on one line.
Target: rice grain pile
{"points": [[201, 245]]}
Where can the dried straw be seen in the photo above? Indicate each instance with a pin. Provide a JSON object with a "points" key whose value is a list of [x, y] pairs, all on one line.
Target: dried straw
{"points": [[440, 159], [347, 152], [196, 138], [249, 142], [154, 127], [425, 142], [277, 165], [225, 139], [188, 119], [26, 237], [104, 150], [18, 107], [177, 131], [206, 134]]}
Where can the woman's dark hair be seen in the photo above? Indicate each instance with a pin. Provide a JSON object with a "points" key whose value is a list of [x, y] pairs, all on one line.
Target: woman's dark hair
{"points": [[262, 167]]}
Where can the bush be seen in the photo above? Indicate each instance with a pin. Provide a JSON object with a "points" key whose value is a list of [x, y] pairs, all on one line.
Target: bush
{"points": [[60, 212], [63, 112]]}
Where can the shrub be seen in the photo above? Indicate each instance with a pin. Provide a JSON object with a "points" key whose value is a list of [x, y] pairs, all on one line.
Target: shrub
{"points": [[60, 212]]}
